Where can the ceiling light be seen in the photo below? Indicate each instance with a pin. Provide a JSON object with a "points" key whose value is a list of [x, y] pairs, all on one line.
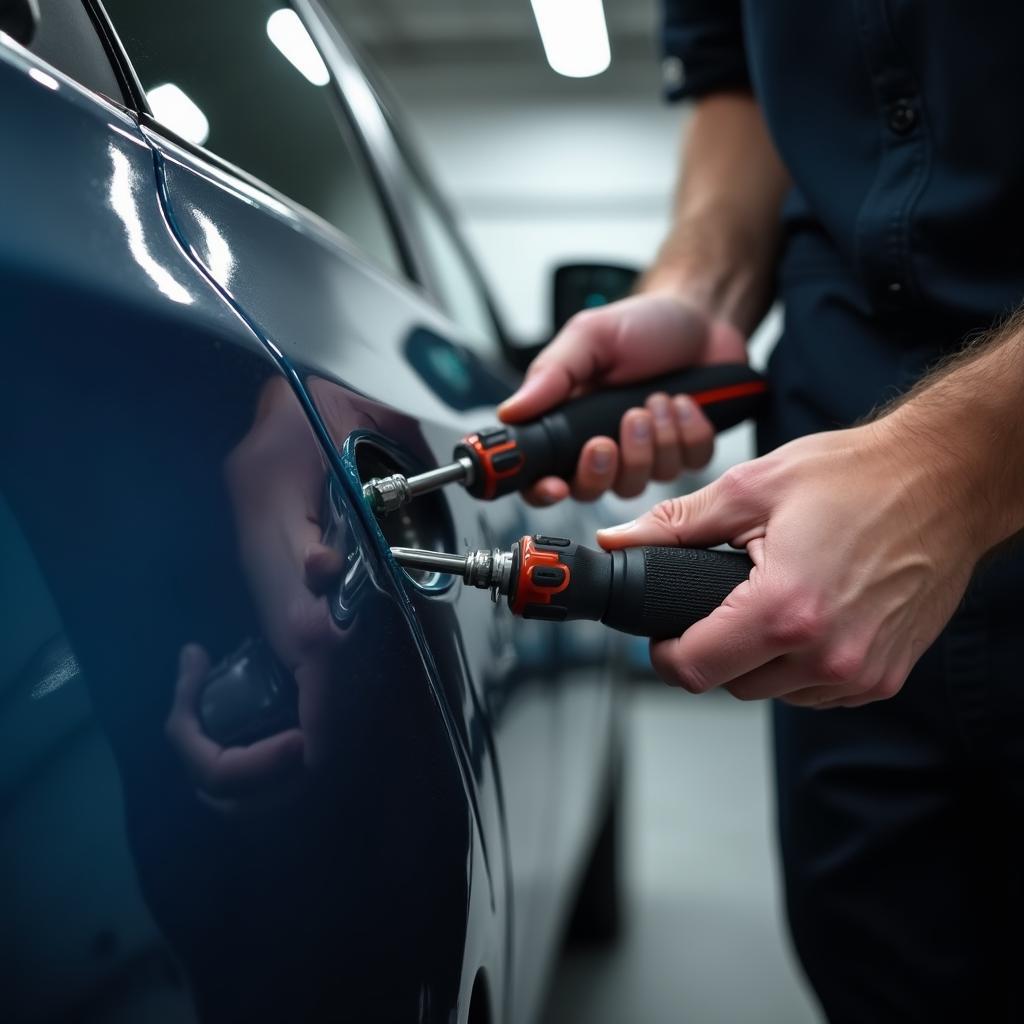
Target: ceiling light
{"points": [[173, 108], [289, 35], [574, 35]]}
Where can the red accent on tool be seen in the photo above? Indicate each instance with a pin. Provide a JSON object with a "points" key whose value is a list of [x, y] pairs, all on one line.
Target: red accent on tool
{"points": [[753, 387], [486, 468], [527, 591]]}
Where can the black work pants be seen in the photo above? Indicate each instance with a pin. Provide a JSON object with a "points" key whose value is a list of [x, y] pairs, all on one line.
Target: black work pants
{"points": [[900, 822], [900, 825]]}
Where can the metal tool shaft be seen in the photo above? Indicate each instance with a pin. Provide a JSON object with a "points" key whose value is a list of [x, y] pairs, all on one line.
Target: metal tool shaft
{"points": [[455, 472], [387, 493], [487, 569], [430, 561]]}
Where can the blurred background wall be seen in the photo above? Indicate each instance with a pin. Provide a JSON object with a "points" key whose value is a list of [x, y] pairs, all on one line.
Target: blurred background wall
{"points": [[540, 168]]}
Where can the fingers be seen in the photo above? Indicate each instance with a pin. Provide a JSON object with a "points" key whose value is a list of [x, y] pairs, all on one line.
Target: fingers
{"points": [[193, 664], [580, 353], [713, 515], [696, 435], [636, 452], [654, 443], [633, 339], [597, 469], [547, 491], [668, 454], [322, 567], [224, 772], [730, 643], [787, 679], [546, 386], [683, 436]]}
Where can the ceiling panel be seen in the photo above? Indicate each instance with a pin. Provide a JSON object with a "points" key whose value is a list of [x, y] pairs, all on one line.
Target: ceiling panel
{"points": [[426, 22]]}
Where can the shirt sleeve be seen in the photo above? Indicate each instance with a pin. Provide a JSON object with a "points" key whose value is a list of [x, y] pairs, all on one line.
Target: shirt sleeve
{"points": [[702, 48]]}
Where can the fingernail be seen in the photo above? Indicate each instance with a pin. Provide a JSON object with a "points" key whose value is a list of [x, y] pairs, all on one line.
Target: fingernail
{"points": [[601, 460], [621, 528], [684, 408], [641, 429], [661, 409]]}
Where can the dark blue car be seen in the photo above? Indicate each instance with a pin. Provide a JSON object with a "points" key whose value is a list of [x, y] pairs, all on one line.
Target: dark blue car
{"points": [[228, 295]]}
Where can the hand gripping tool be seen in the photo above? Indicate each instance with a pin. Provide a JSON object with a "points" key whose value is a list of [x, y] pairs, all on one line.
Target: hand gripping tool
{"points": [[501, 459], [657, 592]]}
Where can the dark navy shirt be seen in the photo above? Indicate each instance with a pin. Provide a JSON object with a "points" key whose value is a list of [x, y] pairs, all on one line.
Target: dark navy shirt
{"points": [[899, 121], [900, 124]]}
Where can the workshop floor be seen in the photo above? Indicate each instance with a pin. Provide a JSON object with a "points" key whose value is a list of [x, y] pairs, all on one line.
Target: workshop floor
{"points": [[705, 941]]}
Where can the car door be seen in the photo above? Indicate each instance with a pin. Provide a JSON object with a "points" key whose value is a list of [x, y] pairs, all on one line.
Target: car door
{"points": [[160, 483], [347, 324]]}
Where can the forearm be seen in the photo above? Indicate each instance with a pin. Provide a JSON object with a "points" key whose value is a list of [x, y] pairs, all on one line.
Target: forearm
{"points": [[965, 421], [722, 246]]}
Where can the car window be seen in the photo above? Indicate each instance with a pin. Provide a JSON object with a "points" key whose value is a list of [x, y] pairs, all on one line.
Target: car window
{"points": [[244, 79], [460, 291], [66, 38]]}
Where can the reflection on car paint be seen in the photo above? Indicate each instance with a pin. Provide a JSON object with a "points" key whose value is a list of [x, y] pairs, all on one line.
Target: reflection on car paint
{"points": [[218, 257], [453, 372], [123, 183]]}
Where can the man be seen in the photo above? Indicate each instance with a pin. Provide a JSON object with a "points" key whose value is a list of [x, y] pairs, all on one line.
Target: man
{"points": [[861, 160]]}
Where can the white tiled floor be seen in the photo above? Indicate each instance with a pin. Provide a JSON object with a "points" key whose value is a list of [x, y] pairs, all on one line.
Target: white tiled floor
{"points": [[705, 941]]}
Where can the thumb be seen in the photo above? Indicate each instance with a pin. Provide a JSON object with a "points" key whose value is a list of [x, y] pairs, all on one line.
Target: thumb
{"points": [[715, 514], [545, 387]]}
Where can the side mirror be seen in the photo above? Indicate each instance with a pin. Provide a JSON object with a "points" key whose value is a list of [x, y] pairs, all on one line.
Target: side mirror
{"points": [[19, 18], [579, 286]]}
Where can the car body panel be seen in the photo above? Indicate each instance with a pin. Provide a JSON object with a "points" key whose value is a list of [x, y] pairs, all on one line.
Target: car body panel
{"points": [[196, 355]]}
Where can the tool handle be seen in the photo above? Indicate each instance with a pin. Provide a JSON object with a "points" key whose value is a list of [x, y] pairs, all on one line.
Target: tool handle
{"points": [[661, 592], [647, 591], [510, 458]]}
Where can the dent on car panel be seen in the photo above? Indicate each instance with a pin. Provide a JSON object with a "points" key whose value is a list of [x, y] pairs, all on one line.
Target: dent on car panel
{"points": [[163, 490]]}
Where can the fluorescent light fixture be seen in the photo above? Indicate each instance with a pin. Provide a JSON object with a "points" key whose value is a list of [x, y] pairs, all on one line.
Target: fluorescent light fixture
{"points": [[289, 35], [173, 108], [574, 35]]}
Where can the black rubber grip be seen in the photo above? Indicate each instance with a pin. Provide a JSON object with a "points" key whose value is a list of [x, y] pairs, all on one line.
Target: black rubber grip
{"points": [[661, 592], [728, 394]]}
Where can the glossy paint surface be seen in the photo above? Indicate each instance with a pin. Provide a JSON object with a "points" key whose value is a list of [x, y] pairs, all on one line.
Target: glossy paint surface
{"points": [[200, 372]]}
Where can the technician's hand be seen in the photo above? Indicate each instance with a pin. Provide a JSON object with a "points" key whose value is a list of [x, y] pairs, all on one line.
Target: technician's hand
{"points": [[231, 779], [861, 555], [275, 481], [634, 339]]}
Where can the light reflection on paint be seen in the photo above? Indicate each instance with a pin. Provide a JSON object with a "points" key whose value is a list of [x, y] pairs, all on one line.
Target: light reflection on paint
{"points": [[62, 672], [219, 260], [44, 79], [123, 202], [135, 140]]}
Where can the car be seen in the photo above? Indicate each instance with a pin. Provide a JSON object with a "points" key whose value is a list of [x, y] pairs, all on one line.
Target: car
{"points": [[230, 296]]}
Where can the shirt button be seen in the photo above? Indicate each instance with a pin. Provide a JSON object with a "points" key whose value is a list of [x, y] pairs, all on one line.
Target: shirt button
{"points": [[902, 117], [673, 73]]}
